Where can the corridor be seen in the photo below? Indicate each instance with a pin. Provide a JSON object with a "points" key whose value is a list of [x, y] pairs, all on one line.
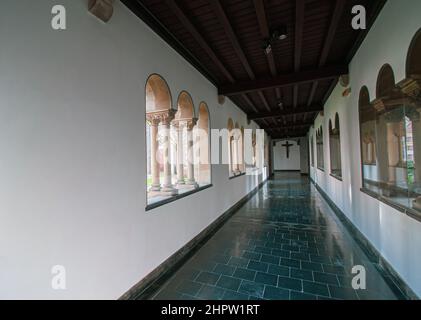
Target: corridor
{"points": [[285, 244]]}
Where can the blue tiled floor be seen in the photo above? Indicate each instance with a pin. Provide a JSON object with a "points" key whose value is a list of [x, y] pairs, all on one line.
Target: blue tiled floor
{"points": [[285, 243]]}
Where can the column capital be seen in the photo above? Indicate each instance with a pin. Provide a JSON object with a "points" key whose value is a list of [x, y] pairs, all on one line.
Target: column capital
{"points": [[379, 105], [411, 86], [190, 123], [161, 117]]}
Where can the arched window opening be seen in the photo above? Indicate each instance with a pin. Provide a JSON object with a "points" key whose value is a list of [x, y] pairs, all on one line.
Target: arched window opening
{"points": [[312, 151], [391, 176], [335, 148], [320, 149], [159, 114], [204, 167], [184, 123]]}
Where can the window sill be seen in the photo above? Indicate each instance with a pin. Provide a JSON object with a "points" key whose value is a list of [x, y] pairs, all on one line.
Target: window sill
{"points": [[321, 169], [177, 197], [405, 210], [336, 177], [237, 176]]}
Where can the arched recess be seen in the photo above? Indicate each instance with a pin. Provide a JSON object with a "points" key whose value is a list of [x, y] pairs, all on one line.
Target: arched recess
{"points": [[320, 149], [390, 109], [385, 82], [367, 134], [185, 107], [185, 122], [158, 94], [159, 114], [413, 61], [335, 147], [203, 125]]}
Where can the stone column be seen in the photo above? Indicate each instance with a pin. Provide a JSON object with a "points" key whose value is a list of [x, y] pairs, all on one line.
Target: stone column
{"points": [[154, 123], [180, 154], [167, 186], [191, 181]]}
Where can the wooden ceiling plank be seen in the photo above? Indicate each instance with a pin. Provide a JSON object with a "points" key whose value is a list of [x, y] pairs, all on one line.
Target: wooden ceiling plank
{"points": [[334, 22], [199, 38], [220, 13], [264, 30]]}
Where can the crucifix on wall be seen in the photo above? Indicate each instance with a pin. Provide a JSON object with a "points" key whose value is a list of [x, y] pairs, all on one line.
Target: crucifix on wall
{"points": [[287, 145]]}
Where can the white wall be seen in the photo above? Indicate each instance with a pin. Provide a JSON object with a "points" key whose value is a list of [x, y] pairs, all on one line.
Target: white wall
{"points": [[395, 235], [72, 161], [282, 163], [304, 156]]}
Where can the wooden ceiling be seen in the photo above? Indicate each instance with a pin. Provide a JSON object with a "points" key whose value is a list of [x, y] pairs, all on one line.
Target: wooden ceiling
{"points": [[282, 91]]}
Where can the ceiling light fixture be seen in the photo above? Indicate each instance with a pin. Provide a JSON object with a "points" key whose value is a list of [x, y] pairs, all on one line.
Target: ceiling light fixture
{"points": [[277, 34], [280, 33]]}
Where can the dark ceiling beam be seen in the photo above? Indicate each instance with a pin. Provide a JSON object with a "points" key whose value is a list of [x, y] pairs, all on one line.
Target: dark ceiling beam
{"points": [[286, 80], [265, 32], [220, 13], [178, 12], [264, 100], [282, 113], [249, 102], [334, 22]]}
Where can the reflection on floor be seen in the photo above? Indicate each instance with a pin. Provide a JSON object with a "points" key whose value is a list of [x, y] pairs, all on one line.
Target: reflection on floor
{"points": [[285, 243]]}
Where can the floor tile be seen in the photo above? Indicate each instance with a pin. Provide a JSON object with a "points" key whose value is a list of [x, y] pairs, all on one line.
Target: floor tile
{"points": [[273, 293], [224, 269], [229, 283], [252, 289], [289, 283], [315, 288], [266, 278], [258, 266], [207, 278], [244, 274]]}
